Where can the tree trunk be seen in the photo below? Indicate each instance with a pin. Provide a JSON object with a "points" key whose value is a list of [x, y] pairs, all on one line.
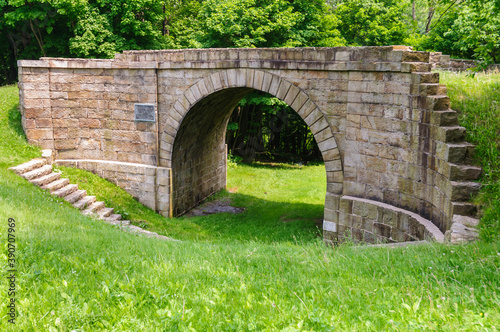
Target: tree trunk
{"points": [[429, 19], [413, 13]]}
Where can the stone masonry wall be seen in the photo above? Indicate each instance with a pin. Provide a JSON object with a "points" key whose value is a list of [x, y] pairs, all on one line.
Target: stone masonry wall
{"points": [[364, 220], [87, 112], [149, 184], [380, 117], [440, 61], [199, 156]]}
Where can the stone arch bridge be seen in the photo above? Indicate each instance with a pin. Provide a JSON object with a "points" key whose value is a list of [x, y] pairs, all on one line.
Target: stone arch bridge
{"points": [[154, 123]]}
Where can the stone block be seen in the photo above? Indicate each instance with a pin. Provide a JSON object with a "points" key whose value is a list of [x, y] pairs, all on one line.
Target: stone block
{"points": [[283, 89], [327, 145], [369, 237], [330, 238], [335, 188], [332, 201], [462, 191], [388, 217], [306, 109], [344, 219], [333, 166], [319, 125], [266, 83], [354, 188], [365, 210], [382, 230], [258, 79], [291, 95], [329, 226], [39, 134], [346, 206]]}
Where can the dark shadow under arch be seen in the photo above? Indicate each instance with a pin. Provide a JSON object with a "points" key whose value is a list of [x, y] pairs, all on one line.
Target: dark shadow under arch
{"points": [[198, 156], [199, 153]]}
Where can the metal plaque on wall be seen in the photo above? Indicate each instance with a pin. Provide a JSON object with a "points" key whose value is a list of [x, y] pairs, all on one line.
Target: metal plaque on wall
{"points": [[144, 112]]}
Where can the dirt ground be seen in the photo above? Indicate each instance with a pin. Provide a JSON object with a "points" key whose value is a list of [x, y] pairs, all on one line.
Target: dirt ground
{"points": [[217, 206]]}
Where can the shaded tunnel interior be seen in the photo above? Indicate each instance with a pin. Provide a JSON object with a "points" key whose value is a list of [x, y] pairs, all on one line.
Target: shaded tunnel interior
{"points": [[199, 152]]}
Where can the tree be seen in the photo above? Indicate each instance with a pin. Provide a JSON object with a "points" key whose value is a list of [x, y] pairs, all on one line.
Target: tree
{"points": [[267, 128], [265, 23], [470, 30], [372, 22], [30, 29], [485, 35]]}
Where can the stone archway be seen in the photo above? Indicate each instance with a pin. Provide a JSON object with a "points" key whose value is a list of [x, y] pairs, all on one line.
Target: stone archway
{"points": [[398, 168], [198, 151]]}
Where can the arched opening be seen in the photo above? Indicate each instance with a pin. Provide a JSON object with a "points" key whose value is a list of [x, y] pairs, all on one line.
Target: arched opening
{"points": [[198, 152]]}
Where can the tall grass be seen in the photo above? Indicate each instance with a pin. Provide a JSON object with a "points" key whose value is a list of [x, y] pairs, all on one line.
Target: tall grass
{"points": [[477, 99], [79, 274]]}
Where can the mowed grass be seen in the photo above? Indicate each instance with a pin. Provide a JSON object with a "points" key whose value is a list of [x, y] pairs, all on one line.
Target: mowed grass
{"points": [[477, 99], [76, 273]]}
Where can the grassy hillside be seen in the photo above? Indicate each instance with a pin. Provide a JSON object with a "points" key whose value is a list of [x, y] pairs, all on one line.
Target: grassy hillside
{"points": [[282, 203], [75, 273], [477, 99]]}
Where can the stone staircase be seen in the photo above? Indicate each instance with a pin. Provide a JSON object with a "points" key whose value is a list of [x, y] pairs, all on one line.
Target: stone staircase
{"points": [[40, 173]]}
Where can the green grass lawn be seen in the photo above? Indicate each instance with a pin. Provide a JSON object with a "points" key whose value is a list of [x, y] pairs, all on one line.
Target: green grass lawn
{"points": [[280, 205], [79, 274]]}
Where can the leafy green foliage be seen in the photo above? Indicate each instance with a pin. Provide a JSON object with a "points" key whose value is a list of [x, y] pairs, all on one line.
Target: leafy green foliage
{"points": [[485, 34], [262, 23], [371, 23], [93, 28], [93, 37], [101, 28], [265, 128], [468, 31]]}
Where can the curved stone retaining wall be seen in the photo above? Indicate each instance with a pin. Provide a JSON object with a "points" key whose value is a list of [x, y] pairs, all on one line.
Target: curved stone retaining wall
{"points": [[369, 221]]}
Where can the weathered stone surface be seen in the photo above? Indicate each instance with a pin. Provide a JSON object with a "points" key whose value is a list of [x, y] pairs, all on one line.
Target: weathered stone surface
{"points": [[380, 118], [383, 222], [463, 229]]}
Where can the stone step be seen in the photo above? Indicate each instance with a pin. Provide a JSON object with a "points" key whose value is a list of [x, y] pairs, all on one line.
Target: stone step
{"points": [[445, 118], [29, 166], [432, 89], [434, 103], [463, 191], [46, 179], [37, 172], [94, 207], [464, 209], [105, 212], [450, 134], [459, 153], [76, 196], [466, 221], [464, 172], [65, 191], [57, 184], [84, 202], [118, 222], [426, 77], [113, 217], [463, 229]]}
